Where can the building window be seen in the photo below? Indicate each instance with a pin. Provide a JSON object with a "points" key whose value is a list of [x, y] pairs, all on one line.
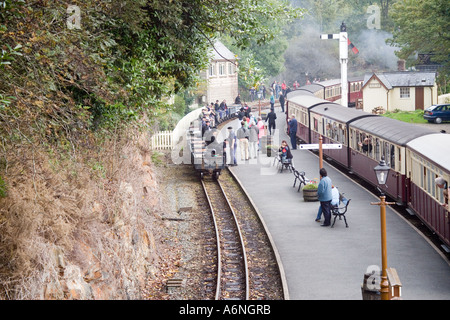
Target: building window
{"points": [[230, 68], [222, 70], [212, 70], [404, 93]]}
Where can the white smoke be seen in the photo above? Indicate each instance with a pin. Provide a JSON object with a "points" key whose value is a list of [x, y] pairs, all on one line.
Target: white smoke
{"points": [[374, 50]]}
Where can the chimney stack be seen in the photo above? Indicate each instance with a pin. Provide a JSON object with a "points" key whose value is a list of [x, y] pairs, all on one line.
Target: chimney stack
{"points": [[401, 65]]}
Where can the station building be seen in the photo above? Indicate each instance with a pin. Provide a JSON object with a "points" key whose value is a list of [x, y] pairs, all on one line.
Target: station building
{"points": [[402, 90], [221, 76]]}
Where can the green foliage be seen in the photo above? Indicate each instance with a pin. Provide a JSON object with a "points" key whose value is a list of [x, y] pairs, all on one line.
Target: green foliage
{"points": [[3, 189], [62, 86], [311, 186], [424, 27]]}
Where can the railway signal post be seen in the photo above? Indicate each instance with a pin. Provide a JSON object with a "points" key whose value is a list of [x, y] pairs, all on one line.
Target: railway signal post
{"points": [[344, 43]]}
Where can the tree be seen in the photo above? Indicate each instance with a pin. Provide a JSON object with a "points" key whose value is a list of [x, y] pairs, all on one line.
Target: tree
{"points": [[422, 27]]}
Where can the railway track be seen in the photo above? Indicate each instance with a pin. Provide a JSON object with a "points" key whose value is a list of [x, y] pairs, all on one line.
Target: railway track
{"points": [[232, 271], [245, 263]]}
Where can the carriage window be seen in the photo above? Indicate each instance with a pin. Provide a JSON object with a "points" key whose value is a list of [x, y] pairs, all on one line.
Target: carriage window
{"points": [[387, 153], [424, 174], [378, 149], [365, 144], [430, 183], [392, 157], [422, 178], [344, 134]]}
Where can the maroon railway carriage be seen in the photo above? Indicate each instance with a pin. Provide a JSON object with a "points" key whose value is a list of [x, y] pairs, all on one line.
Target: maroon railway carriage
{"points": [[331, 90], [387, 137], [299, 103], [427, 158], [355, 91], [331, 121]]}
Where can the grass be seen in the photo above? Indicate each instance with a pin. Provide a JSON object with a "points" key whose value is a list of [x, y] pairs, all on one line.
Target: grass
{"points": [[406, 116]]}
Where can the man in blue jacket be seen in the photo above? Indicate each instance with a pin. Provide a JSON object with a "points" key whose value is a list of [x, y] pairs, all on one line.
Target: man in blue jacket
{"points": [[293, 131], [325, 195]]}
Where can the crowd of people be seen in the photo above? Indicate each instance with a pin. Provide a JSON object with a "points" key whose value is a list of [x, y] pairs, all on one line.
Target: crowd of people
{"points": [[213, 114], [252, 128], [278, 89], [248, 138]]}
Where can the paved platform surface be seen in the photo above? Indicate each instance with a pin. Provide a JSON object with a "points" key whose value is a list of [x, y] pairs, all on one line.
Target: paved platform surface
{"points": [[329, 263]]}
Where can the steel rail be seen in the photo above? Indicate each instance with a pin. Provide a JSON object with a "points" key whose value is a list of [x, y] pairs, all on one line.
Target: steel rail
{"points": [[219, 250]]}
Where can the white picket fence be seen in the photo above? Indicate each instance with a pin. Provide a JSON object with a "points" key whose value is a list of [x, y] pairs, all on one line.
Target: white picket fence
{"points": [[162, 140]]}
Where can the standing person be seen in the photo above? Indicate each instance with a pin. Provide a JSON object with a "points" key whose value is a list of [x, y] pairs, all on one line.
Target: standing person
{"points": [[274, 87], [252, 119], [260, 125], [271, 117], [282, 102], [283, 87], [232, 143], [335, 201], [325, 196], [272, 101], [218, 110], [293, 131], [223, 106], [253, 141], [243, 134]]}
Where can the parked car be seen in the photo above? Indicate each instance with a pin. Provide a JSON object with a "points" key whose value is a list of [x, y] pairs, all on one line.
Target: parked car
{"points": [[437, 113]]}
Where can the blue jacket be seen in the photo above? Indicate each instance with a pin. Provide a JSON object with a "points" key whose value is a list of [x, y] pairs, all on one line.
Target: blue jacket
{"points": [[293, 126], [324, 189]]}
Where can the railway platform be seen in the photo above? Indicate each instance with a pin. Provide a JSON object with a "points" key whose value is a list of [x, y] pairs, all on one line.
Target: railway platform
{"points": [[330, 263]]}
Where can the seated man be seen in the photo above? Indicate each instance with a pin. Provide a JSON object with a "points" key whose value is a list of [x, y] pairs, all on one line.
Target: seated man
{"points": [[337, 197]]}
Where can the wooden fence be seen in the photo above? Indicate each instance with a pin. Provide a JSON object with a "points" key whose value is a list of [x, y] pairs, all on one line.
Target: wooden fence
{"points": [[162, 140]]}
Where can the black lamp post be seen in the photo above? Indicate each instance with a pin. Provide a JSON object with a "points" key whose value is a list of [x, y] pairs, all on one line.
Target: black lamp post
{"points": [[382, 173]]}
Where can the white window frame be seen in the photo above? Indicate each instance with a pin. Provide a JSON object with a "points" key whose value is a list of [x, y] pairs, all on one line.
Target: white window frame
{"points": [[405, 92], [212, 70]]}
